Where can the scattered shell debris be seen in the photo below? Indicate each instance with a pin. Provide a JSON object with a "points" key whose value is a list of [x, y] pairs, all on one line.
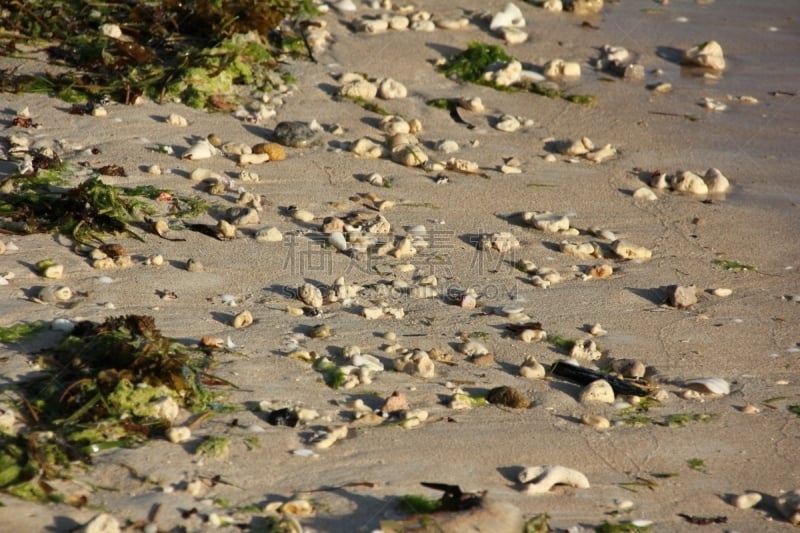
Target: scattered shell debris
{"points": [[541, 479]]}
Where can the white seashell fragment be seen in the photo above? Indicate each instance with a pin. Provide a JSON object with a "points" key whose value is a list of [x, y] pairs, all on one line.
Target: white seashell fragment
{"points": [[177, 435], [532, 335], [626, 250], [585, 350], [372, 25], [540, 479], [410, 155], [598, 391], [513, 35], [242, 320], [746, 500], [391, 89], [709, 386], [531, 368], [111, 30], [310, 295], [202, 149], [359, 89], [473, 348], [689, 182], [502, 242], [368, 148], [62, 324], [716, 181], [417, 363], [452, 23], [558, 68], [166, 409], [175, 119], [508, 123], [596, 421], [302, 215], [271, 234], [644, 193], [510, 16], [252, 159], [338, 241], [546, 221], [602, 154], [722, 292], [472, 103], [708, 55]]}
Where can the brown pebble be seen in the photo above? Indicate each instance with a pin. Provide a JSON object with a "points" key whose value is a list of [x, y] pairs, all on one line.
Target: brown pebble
{"points": [[396, 402], [508, 396], [483, 359]]}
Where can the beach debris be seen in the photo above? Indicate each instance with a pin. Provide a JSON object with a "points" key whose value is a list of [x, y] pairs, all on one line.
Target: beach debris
{"points": [[747, 500], [178, 434], [721, 292], [712, 387], [502, 242], [627, 250], [242, 320], [541, 479], [681, 296], [598, 422], [202, 149], [788, 504], [708, 55], [598, 391], [716, 181], [643, 193], [508, 124], [417, 363], [391, 89], [50, 269], [689, 182], [310, 295], [546, 221], [532, 369], [584, 376], [294, 134], [508, 397], [101, 523], [558, 68], [703, 520], [585, 350], [284, 416], [330, 436]]}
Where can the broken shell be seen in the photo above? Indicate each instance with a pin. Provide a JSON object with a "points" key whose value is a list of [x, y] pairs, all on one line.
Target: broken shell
{"points": [[410, 155], [598, 391], [709, 386], [746, 500], [643, 193], [417, 363], [175, 119], [585, 350], [271, 234], [502, 242], [337, 240], [689, 182], [202, 149], [540, 479], [297, 507], [398, 401], [716, 181], [532, 335], [53, 271], [310, 295], [546, 221], [531, 368], [473, 348], [177, 435], [390, 89], [166, 409], [252, 159], [626, 250], [54, 294], [243, 319], [331, 436], [508, 123], [510, 16], [596, 421], [708, 54], [302, 215], [362, 89], [602, 154]]}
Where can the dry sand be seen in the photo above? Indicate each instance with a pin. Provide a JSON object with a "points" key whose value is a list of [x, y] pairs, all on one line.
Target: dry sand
{"points": [[750, 338]]}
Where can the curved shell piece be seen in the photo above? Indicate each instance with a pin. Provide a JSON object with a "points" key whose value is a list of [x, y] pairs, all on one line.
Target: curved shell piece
{"points": [[709, 386], [542, 478]]}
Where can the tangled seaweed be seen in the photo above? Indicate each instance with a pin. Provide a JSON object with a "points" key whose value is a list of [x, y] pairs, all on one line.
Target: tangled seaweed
{"points": [[194, 51], [106, 386]]}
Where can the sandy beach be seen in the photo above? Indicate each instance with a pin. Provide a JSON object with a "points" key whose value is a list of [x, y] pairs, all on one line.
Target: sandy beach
{"points": [[692, 455]]}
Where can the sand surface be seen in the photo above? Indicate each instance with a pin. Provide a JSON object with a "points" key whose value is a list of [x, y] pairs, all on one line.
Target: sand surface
{"points": [[750, 338]]}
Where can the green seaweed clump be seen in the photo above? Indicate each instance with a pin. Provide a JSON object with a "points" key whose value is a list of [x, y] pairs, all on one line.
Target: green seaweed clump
{"points": [[21, 331], [194, 50], [38, 202], [471, 64], [106, 385], [416, 504], [734, 266]]}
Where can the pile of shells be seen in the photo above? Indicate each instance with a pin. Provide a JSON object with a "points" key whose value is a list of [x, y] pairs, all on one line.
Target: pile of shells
{"points": [[712, 182]]}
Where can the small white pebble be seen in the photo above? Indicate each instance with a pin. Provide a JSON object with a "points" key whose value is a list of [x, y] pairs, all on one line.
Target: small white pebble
{"points": [[105, 279]]}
